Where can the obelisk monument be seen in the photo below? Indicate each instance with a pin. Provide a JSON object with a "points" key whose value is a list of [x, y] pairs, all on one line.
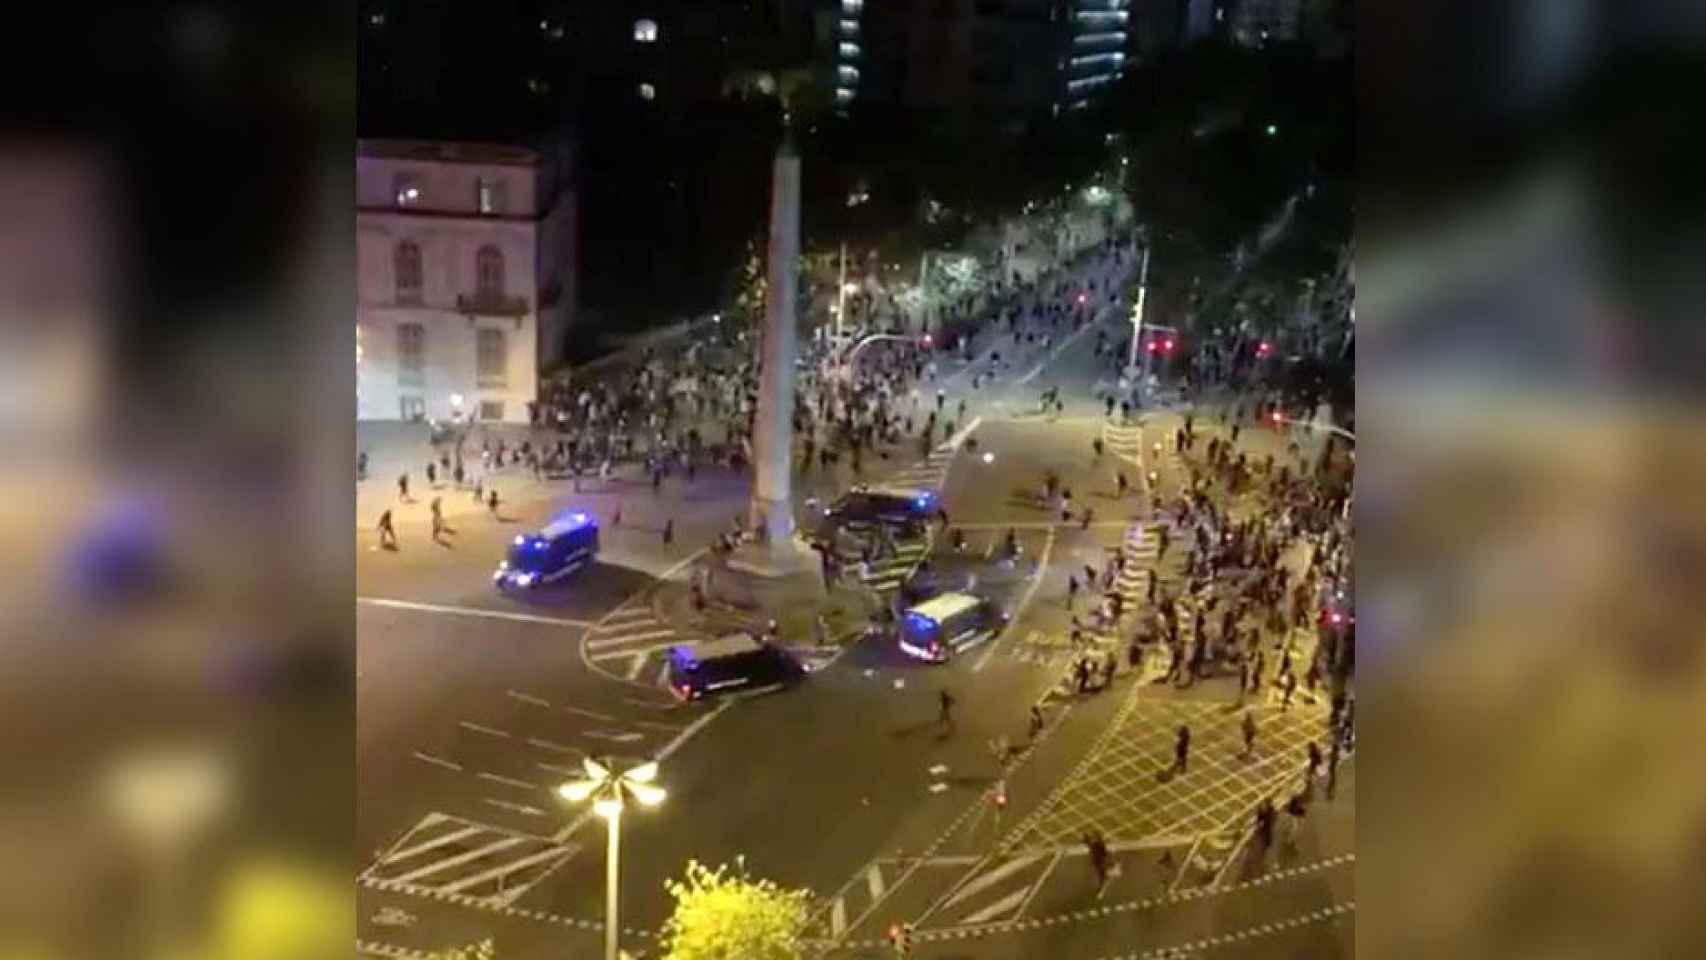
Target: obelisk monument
{"points": [[773, 428]]}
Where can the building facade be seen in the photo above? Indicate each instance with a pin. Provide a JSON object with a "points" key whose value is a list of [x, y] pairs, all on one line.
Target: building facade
{"points": [[465, 277], [1005, 59]]}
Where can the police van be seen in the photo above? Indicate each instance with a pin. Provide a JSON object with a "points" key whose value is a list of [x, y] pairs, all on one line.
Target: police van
{"points": [[565, 545], [948, 624], [734, 661], [863, 509]]}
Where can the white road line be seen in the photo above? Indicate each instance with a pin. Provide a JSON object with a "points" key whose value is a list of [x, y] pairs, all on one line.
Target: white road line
{"points": [[509, 781], [627, 613], [999, 907], [471, 612], [1036, 887], [991, 878], [592, 714], [550, 853], [436, 761], [687, 734], [496, 846], [520, 808], [604, 643], [838, 917], [1025, 601], [874, 881], [604, 655], [554, 747], [433, 844], [478, 728], [663, 674], [614, 736], [563, 771], [529, 698], [638, 664]]}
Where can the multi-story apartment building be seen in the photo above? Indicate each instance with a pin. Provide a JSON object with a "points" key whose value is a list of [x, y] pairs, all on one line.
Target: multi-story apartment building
{"points": [[465, 267]]}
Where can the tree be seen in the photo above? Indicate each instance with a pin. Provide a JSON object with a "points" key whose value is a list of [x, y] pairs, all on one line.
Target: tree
{"points": [[721, 915]]}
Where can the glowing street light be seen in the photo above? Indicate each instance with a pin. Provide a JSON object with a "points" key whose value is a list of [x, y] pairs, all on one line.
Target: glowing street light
{"points": [[608, 788]]}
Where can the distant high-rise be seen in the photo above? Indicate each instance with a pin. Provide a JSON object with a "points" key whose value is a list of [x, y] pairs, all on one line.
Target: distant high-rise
{"points": [[1003, 60]]}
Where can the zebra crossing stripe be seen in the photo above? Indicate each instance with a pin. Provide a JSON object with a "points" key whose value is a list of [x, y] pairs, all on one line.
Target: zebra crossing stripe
{"points": [[552, 853], [999, 907], [838, 917], [470, 856], [608, 642]]}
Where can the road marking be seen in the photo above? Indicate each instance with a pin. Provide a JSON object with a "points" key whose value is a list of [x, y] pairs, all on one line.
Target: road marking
{"points": [[528, 698], [605, 643], [959, 438], [613, 736], [1024, 602], [687, 734], [874, 881], [938, 769], [991, 878], [477, 853], [663, 674], [520, 808], [591, 714], [565, 771], [551, 853], [605, 656], [628, 613], [1037, 887], [509, 781], [838, 918], [472, 612], [638, 664], [938, 787], [554, 747], [999, 907], [433, 844], [436, 761], [477, 728]]}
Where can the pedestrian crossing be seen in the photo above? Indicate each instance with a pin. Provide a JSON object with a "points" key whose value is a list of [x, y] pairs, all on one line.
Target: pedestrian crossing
{"points": [[929, 473], [889, 573], [448, 856], [1124, 442]]}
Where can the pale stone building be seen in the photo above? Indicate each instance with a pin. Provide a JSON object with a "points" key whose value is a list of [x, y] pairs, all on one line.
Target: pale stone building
{"points": [[465, 277]]}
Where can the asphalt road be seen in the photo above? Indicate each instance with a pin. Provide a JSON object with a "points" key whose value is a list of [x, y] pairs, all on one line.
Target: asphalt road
{"points": [[473, 705]]}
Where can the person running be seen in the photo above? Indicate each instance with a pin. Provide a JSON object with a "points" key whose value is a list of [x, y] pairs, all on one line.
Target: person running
{"points": [[437, 521], [1100, 860], [403, 486], [387, 533], [1182, 749], [492, 501], [945, 711], [1249, 728]]}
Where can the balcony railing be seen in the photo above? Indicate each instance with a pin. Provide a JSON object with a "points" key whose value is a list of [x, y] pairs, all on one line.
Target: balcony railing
{"points": [[491, 304]]}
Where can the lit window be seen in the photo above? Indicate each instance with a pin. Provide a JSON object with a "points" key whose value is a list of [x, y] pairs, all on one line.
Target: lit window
{"points": [[847, 74], [408, 192], [852, 6], [376, 18], [850, 27], [842, 95], [490, 196], [648, 92], [645, 31], [850, 50]]}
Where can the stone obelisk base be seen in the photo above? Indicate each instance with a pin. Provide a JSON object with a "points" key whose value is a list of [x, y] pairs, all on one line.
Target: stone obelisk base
{"points": [[769, 576]]}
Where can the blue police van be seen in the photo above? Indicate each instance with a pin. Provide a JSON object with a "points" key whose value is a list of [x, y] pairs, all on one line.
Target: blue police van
{"points": [[948, 624], [738, 661], [565, 545]]}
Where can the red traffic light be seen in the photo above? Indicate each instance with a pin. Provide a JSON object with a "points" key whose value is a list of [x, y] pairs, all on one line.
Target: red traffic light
{"points": [[1168, 345], [1083, 297], [1153, 346], [1264, 348], [928, 340]]}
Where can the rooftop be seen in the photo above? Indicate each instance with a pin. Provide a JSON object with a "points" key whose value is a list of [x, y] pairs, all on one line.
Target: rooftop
{"points": [[447, 151], [942, 607]]}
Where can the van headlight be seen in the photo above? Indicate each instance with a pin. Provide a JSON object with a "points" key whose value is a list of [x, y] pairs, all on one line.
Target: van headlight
{"points": [[524, 579]]}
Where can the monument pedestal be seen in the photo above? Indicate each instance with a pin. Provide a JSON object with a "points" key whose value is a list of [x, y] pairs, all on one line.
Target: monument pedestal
{"points": [[769, 576]]}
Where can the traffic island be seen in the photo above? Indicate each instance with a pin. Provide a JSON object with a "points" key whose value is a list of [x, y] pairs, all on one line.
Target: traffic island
{"points": [[739, 599]]}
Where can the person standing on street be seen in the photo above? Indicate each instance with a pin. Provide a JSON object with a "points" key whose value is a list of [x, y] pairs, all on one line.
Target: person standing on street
{"points": [[492, 501], [437, 520], [1182, 749], [669, 531], [387, 533], [945, 713], [403, 487], [1249, 728]]}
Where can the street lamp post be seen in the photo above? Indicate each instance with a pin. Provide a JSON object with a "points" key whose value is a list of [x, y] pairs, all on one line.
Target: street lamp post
{"points": [[841, 293], [1137, 313], [609, 788], [847, 362]]}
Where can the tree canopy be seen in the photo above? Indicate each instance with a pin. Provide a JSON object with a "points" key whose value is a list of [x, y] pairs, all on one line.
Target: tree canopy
{"points": [[726, 915]]}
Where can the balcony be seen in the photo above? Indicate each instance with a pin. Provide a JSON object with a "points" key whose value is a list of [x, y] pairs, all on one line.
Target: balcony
{"points": [[486, 304]]}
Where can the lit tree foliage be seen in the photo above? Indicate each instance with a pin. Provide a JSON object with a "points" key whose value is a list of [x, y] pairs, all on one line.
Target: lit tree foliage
{"points": [[723, 915]]}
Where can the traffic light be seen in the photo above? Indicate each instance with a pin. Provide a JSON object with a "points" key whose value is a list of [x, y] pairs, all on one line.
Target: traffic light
{"points": [[900, 934], [999, 797], [1264, 348], [1167, 345], [927, 341]]}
